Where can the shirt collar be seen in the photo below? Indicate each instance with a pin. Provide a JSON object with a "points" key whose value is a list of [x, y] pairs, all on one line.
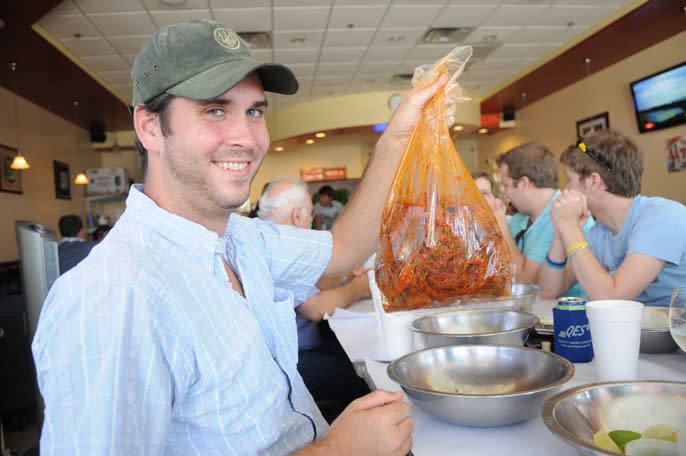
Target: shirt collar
{"points": [[197, 240]]}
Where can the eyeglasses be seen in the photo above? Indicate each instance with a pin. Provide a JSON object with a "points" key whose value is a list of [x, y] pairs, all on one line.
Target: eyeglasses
{"points": [[602, 161]]}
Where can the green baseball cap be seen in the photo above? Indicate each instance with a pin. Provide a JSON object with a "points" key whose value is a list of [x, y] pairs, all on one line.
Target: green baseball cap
{"points": [[201, 60]]}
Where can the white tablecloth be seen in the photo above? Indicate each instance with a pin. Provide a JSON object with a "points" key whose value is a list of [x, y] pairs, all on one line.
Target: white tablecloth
{"points": [[357, 330]]}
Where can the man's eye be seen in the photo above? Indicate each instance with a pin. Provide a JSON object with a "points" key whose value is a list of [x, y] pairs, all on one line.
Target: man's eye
{"points": [[215, 112], [255, 112]]}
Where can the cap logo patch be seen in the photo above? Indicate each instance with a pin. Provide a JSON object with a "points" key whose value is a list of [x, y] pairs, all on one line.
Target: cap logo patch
{"points": [[226, 38]]}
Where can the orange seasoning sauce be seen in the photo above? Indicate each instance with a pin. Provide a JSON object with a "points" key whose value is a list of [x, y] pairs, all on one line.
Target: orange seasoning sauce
{"points": [[439, 239]]}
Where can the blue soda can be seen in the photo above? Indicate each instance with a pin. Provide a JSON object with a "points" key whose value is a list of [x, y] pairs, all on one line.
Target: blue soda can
{"points": [[572, 335]]}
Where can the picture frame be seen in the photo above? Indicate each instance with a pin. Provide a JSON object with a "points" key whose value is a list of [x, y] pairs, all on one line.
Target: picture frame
{"points": [[10, 181], [594, 123], [62, 180]]}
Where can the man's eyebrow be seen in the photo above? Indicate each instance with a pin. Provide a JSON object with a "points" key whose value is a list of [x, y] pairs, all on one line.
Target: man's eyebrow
{"points": [[222, 101]]}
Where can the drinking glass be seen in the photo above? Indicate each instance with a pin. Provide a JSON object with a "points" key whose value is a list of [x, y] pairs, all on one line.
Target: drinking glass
{"points": [[677, 317]]}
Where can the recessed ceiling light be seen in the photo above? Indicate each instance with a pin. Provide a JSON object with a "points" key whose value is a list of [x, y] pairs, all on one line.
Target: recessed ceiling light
{"points": [[278, 149], [321, 134], [309, 141], [458, 127], [483, 131]]}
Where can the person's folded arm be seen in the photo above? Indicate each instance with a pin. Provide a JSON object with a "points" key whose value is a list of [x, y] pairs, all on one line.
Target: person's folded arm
{"points": [[327, 301], [631, 278]]}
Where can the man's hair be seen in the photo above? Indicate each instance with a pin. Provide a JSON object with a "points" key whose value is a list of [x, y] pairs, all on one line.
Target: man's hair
{"points": [[611, 149], [294, 195], [533, 160], [326, 190], [160, 106], [70, 225]]}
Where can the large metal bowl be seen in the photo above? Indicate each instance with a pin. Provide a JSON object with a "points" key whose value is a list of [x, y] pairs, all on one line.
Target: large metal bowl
{"points": [[492, 327], [655, 335], [480, 385], [522, 299], [578, 413]]}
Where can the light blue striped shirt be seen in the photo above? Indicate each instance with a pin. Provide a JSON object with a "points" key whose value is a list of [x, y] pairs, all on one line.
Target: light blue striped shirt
{"points": [[144, 348]]}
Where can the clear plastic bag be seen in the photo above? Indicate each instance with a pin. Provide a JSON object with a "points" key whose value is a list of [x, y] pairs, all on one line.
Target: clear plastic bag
{"points": [[439, 240]]}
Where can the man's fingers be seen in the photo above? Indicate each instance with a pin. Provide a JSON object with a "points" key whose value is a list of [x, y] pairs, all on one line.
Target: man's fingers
{"points": [[377, 399]]}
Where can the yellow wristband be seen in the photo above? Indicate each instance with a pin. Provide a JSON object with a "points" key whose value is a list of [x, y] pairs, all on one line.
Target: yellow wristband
{"points": [[576, 246]]}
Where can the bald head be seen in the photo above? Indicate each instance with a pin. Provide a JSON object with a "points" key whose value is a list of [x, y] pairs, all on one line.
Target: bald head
{"points": [[286, 201]]}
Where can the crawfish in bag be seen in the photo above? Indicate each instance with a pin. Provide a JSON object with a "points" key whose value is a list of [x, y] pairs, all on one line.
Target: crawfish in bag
{"points": [[439, 240]]}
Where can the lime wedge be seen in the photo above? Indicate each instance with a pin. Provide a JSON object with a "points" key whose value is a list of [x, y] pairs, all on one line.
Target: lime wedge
{"points": [[661, 432], [622, 437], [602, 440]]}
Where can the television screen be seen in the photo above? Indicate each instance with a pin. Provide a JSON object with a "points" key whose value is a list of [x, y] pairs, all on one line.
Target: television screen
{"points": [[660, 99]]}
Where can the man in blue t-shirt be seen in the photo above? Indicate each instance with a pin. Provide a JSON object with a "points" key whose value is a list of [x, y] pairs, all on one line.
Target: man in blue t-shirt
{"points": [[637, 248], [529, 176]]}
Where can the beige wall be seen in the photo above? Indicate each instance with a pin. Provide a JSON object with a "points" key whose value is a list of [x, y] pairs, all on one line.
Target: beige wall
{"points": [[552, 120], [44, 137], [351, 152]]}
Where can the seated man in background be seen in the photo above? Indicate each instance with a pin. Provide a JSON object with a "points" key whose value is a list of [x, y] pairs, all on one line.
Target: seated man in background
{"points": [[637, 248], [529, 176], [73, 247], [322, 362], [326, 209]]}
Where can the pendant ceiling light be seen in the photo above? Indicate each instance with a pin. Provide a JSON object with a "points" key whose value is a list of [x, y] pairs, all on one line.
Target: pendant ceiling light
{"points": [[19, 161]]}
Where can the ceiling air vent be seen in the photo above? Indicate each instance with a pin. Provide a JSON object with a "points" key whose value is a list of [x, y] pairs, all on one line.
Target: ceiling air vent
{"points": [[452, 35], [401, 78], [257, 40]]}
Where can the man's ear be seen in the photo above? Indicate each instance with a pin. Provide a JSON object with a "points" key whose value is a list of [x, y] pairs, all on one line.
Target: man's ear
{"points": [[596, 182], [148, 131], [295, 216], [524, 182]]}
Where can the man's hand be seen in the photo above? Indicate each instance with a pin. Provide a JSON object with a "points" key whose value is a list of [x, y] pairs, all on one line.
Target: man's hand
{"points": [[569, 209], [405, 116], [376, 424]]}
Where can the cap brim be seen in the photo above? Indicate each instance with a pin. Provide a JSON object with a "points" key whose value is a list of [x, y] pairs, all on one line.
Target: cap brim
{"points": [[220, 78]]}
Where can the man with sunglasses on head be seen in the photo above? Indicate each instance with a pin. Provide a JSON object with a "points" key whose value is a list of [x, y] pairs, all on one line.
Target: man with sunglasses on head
{"points": [[637, 248], [529, 176]]}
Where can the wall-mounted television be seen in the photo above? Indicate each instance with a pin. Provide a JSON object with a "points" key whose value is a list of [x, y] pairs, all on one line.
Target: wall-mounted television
{"points": [[660, 99]]}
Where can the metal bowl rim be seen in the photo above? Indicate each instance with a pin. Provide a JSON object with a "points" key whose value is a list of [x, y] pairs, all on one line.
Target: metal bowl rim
{"points": [[564, 361], [655, 330], [564, 434], [535, 320]]}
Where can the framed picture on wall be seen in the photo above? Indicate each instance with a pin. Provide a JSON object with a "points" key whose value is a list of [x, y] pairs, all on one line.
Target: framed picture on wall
{"points": [[62, 181], [591, 124], [10, 181]]}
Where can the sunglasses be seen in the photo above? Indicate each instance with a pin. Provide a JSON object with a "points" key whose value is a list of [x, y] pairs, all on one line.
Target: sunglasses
{"points": [[602, 161]]}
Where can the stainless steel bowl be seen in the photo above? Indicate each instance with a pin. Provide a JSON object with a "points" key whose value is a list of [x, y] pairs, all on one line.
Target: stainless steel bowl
{"points": [[522, 299], [578, 413], [494, 327], [480, 385], [655, 335]]}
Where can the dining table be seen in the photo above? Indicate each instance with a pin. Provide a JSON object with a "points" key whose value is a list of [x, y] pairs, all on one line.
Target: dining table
{"points": [[358, 330]]}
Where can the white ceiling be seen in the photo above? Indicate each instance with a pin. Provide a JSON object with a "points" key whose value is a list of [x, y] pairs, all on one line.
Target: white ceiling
{"points": [[337, 47]]}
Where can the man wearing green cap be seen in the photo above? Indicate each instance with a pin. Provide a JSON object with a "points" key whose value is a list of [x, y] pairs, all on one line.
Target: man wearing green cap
{"points": [[177, 335]]}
